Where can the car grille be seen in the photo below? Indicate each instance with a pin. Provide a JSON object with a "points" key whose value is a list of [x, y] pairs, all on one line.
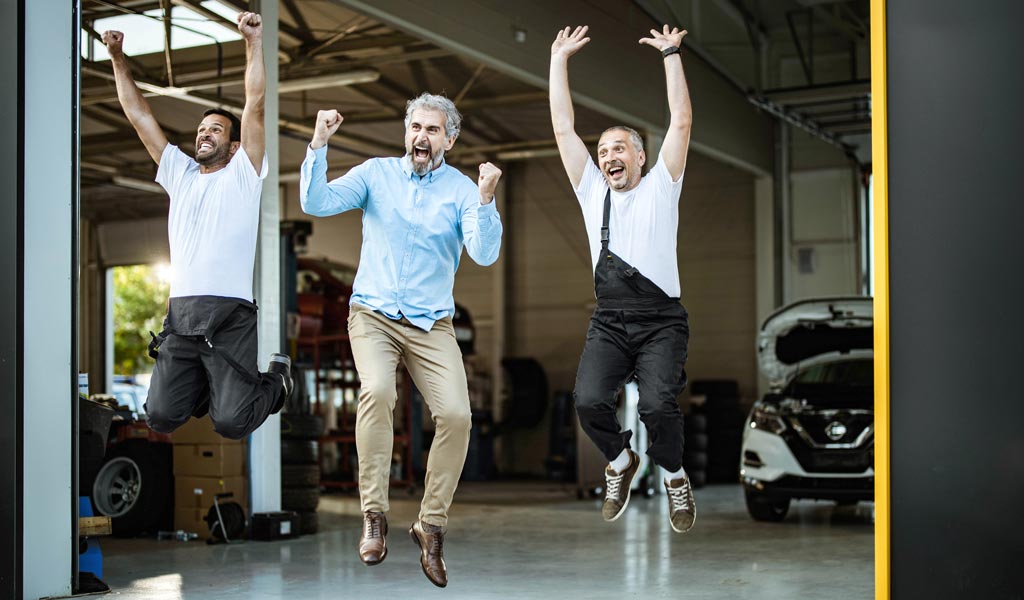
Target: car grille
{"points": [[817, 460], [816, 426]]}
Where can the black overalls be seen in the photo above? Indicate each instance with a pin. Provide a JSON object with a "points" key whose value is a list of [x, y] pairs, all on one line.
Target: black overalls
{"points": [[636, 328], [206, 356]]}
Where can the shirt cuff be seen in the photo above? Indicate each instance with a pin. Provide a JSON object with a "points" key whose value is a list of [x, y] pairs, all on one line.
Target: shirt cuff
{"points": [[320, 152], [487, 210]]}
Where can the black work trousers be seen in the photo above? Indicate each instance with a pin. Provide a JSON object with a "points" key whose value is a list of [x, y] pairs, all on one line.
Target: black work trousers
{"points": [[195, 366], [650, 343]]}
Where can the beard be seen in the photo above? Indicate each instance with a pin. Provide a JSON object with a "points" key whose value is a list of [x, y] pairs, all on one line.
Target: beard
{"points": [[219, 154], [422, 169], [616, 184]]}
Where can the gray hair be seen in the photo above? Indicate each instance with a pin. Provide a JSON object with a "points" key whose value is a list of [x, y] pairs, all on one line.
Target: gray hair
{"points": [[428, 101], [638, 142]]}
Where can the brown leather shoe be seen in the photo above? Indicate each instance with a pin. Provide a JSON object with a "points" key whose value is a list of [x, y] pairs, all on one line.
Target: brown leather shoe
{"points": [[617, 486], [430, 539], [682, 508], [373, 548]]}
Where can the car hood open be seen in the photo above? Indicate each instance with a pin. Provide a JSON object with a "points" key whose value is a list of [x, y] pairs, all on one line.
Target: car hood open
{"points": [[813, 330]]}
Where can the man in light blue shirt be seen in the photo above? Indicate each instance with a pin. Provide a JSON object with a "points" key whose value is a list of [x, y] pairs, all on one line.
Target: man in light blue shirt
{"points": [[418, 214]]}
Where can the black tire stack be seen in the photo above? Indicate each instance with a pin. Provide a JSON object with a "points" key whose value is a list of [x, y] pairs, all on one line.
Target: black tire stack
{"points": [[724, 428], [695, 448], [300, 467]]}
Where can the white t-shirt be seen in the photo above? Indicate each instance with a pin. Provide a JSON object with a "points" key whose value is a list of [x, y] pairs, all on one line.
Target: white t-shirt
{"points": [[643, 222], [212, 224]]}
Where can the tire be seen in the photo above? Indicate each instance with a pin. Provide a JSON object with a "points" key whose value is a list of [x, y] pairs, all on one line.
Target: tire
{"points": [[300, 475], [309, 523], [300, 499], [301, 427], [697, 442], [698, 478], [695, 461], [299, 452], [695, 423], [765, 508], [134, 487]]}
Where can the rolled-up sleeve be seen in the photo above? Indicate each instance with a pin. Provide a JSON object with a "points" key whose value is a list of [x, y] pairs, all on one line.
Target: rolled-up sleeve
{"points": [[321, 198], [481, 228]]}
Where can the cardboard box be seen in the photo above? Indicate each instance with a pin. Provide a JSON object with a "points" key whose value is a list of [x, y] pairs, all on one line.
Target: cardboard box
{"points": [[193, 498], [198, 492], [191, 520], [200, 431], [209, 460]]}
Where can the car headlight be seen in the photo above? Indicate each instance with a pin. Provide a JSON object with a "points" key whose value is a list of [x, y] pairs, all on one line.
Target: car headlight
{"points": [[767, 418]]}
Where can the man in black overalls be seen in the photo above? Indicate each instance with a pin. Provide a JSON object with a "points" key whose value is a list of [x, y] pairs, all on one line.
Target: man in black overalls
{"points": [[639, 328]]}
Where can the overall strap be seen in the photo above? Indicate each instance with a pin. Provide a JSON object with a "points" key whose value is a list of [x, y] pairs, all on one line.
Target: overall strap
{"points": [[604, 223]]}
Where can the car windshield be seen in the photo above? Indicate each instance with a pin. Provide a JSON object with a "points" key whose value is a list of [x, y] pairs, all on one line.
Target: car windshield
{"points": [[839, 381]]}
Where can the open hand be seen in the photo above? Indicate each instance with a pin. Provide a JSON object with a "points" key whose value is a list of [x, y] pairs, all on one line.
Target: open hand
{"points": [[488, 181], [566, 44], [666, 38]]}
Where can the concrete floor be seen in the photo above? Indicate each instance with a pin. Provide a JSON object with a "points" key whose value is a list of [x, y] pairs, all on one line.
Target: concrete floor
{"points": [[527, 540]]}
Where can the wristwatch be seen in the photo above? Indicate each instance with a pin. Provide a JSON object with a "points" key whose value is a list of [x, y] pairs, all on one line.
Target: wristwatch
{"points": [[669, 51]]}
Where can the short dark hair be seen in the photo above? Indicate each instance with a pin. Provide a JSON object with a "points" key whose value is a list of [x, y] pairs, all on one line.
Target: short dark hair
{"points": [[235, 135]]}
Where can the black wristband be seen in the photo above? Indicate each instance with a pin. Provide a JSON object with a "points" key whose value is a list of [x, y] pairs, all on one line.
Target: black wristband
{"points": [[669, 51]]}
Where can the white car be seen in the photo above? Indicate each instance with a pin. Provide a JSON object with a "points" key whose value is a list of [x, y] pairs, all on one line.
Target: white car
{"points": [[812, 436]]}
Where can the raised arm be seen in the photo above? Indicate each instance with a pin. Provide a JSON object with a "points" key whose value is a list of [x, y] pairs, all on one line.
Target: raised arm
{"points": [[254, 135], [677, 138], [132, 102], [317, 196], [570, 146]]}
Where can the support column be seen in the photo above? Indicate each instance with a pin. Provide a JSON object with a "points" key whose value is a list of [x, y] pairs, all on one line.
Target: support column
{"points": [[782, 246], [49, 192], [265, 442], [11, 306]]}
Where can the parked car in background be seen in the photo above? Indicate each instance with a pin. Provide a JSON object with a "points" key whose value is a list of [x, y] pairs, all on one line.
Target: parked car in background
{"points": [[130, 393], [812, 436]]}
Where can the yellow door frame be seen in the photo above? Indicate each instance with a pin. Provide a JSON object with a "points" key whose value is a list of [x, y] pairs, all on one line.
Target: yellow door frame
{"points": [[880, 209]]}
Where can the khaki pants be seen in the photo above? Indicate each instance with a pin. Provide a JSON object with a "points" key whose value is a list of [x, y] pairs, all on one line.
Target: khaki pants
{"points": [[435, 363]]}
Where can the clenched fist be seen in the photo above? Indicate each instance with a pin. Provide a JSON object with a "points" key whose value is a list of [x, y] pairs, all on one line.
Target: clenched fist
{"points": [[488, 181], [327, 122], [114, 40], [250, 25]]}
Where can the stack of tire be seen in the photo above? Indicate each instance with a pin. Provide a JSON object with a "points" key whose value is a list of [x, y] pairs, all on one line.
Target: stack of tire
{"points": [[300, 467], [724, 423], [695, 446]]}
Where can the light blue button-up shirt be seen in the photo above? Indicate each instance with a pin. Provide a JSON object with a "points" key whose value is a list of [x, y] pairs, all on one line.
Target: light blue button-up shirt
{"points": [[414, 229]]}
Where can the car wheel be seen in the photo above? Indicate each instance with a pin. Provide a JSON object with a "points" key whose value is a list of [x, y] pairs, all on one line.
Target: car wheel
{"points": [[133, 487], [765, 508]]}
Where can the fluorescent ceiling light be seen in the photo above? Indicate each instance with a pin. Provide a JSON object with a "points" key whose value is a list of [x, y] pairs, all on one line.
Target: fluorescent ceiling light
{"points": [[138, 184], [326, 81]]}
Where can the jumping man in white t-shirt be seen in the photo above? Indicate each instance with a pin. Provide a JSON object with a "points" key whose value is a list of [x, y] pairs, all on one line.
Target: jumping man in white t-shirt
{"points": [[639, 328], [206, 355]]}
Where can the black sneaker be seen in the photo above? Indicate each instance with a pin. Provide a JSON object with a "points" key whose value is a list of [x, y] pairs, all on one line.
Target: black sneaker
{"points": [[282, 365]]}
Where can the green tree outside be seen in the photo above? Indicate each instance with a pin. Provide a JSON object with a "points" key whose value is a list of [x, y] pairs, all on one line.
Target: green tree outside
{"points": [[140, 300]]}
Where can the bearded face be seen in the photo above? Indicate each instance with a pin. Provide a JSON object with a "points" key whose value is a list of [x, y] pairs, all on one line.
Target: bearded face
{"points": [[213, 141], [425, 141], [619, 160]]}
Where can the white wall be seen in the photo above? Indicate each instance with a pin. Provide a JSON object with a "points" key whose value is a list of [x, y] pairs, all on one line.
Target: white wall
{"points": [[824, 250]]}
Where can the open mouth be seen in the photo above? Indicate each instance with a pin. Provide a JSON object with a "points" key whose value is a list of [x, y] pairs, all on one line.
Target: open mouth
{"points": [[616, 172], [204, 147], [421, 153]]}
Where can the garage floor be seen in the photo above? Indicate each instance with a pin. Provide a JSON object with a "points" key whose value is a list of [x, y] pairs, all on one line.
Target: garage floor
{"points": [[527, 540]]}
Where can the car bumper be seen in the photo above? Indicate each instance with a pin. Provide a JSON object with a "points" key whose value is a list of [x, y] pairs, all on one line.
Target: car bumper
{"points": [[768, 466]]}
